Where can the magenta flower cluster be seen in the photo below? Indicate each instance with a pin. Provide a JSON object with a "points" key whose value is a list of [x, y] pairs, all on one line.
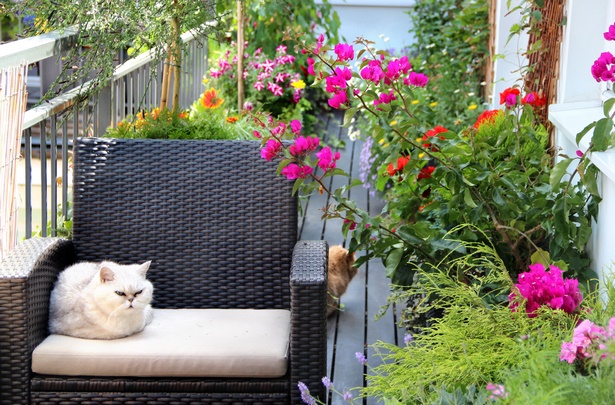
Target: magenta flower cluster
{"points": [[388, 74], [588, 342], [263, 74], [300, 150], [540, 287], [603, 69]]}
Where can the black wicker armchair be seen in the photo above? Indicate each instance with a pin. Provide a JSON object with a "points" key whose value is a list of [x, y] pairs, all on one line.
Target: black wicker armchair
{"points": [[221, 230]]}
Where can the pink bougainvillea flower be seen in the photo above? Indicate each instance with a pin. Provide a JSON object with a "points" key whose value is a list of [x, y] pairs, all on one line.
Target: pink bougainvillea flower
{"points": [[497, 391], [610, 34], [344, 52], [295, 126], [303, 145], [338, 99], [271, 149], [404, 64], [393, 71], [385, 98], [540, 287], [310, 69], [257, 134], [603, 68], [294, 171], [509, 96], [487, 116], [327, 159], [579, 153], [417, 79], [319, 42], [279, 129], [372, 72], [353, 225]]}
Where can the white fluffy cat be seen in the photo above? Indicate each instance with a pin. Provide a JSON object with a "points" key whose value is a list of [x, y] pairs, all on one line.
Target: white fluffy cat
{"points": [[102, 300]]}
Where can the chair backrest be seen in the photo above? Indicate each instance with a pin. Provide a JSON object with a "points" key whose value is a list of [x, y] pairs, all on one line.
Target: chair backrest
{"points": [[216, 221]]}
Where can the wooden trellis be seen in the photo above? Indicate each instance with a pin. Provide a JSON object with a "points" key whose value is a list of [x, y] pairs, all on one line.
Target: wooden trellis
{"points": [[543, 71]]}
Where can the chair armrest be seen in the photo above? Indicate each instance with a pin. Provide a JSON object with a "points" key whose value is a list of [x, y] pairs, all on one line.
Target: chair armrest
{"points": [[308, 340], [27, 276]]}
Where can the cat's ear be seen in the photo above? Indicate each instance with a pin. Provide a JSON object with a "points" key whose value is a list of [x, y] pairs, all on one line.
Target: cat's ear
{"points": [[106, 275], [144, 268]]}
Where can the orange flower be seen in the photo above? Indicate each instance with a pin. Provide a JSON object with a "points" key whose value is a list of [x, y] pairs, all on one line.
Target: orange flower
{"points": [[486, 116], [401, 163], [210, 99], [155, 113], [183, 115], [231, 120]]}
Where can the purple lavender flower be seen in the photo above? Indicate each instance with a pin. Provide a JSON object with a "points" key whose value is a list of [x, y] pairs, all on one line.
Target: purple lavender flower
{"points": [[305, 394], [361, 358], [327, 382], [347, 396], [408, 338]]}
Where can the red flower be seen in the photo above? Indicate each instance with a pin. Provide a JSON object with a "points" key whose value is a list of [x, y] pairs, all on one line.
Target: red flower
{"points": [[431, 133], [509, 96], [534, 99], [401, 163], [486, 116], [426, 172]]}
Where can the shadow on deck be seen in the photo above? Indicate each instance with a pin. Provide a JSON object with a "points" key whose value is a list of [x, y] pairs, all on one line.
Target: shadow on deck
{"points": [[354, 329]]}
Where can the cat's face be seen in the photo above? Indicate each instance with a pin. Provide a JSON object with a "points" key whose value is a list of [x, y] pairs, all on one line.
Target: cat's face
{"points": [[123, 288]]}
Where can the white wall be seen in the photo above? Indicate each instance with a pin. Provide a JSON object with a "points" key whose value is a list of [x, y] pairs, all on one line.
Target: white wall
{"points": [[579, 100], [509, 61], [385, 22]]}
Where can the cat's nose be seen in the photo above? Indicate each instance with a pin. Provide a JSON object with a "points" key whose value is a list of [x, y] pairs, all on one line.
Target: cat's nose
{"points": [[131, 299]]}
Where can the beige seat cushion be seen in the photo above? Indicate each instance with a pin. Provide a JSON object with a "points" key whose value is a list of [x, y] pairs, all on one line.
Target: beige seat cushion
{"points": [[179, 343]]}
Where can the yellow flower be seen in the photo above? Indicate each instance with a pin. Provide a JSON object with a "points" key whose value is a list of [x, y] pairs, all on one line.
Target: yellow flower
{"points": [[472, 107], [205, 80], [435, 103], [386, 145], [419, 140], [393, 123], [155, 113], [415, 102], [298, 84], [421, 155]]}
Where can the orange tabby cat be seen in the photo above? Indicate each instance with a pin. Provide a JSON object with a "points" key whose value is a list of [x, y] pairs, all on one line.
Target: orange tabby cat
{"points": [[341, 271]]}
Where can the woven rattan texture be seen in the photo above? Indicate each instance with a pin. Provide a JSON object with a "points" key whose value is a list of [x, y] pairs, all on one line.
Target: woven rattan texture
{"points": [[26, 278], [66, 398], [309, 327], [215, 206]]}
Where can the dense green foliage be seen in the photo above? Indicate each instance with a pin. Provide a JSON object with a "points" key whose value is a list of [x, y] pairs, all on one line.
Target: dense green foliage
{"points": [[475, 343], [451, 38]]}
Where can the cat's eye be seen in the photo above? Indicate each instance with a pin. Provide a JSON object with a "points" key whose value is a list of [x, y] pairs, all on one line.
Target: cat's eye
{"points": [[138, 292], [120, 293]]}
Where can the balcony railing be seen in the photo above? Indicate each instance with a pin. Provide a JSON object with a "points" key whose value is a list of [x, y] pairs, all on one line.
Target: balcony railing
{"points": [[50, 128]]}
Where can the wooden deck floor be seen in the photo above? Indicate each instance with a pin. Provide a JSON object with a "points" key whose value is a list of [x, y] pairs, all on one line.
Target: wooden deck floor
{"points": [[354, 329]]}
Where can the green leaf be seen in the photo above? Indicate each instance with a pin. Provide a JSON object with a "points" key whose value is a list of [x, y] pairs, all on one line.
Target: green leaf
{"points": [[558, 171], [585, 130], [608, 106], [467, 198], [590, 180], [297, 185], [541, 256], [349, 115], [393, 260], [602, 134]]}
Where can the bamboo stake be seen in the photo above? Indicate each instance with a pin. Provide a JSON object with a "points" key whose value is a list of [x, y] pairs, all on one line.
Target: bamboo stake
{"points": [[13, 99], [164, 91], [240, 51], [177, 56]]}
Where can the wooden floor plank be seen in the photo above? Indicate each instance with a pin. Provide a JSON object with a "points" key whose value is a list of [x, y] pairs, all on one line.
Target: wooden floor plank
{"points": [[354, 328]]}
